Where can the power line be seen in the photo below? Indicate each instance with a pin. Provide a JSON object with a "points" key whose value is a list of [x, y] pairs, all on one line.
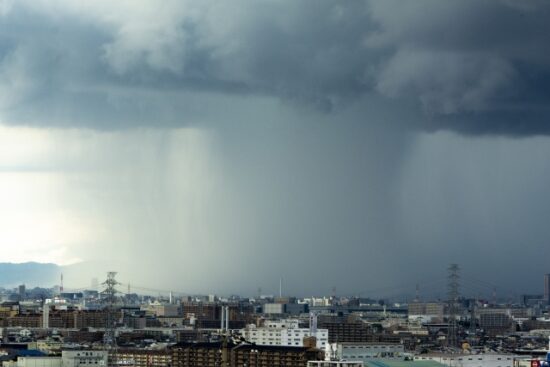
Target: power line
{"points": [[401, 286], [133, 286]]}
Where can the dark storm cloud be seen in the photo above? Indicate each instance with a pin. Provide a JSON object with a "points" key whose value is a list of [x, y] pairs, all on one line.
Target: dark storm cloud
{"points": [[475, 67], [470, 66], [303, 138]]}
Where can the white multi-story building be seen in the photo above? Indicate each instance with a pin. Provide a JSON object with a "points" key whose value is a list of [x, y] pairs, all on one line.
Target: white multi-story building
{"points": [[69, 358], [284, 333], [365, 351]]}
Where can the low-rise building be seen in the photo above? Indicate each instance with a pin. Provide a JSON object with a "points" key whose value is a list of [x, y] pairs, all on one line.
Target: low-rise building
{"points": [[470, 360], [335, 364], [39, 362], [84, 358], [274, 308]]}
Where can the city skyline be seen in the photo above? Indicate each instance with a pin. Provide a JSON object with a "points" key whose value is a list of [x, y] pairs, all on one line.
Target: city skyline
{"points": [[436, 289]]}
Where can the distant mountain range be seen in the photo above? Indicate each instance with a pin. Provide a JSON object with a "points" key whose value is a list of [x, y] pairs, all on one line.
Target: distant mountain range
{"points": [[31, 274]]}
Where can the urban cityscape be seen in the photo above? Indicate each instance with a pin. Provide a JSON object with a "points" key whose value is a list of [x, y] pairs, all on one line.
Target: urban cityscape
{"points": [[274, 183], [110, 323]]}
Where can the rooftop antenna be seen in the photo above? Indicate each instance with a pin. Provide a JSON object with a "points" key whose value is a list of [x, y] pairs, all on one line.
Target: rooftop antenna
{"points": [[417, 297], [61, 285], [280, 287]]}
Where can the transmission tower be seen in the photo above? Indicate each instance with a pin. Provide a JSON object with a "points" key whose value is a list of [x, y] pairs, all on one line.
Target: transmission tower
{"points": [[109, 299], [473, 326], [453, 287]]}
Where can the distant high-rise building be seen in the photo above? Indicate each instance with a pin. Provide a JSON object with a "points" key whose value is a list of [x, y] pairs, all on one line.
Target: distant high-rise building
{"points": [[22, 291], [46, 316], [547, 288], [95, 284]]}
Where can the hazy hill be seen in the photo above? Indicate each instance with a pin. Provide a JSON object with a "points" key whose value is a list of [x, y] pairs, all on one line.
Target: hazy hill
{"points": [[30, 273]]}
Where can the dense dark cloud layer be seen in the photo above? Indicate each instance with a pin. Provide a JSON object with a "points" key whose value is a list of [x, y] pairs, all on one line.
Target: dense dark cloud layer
{"points": [[469, 66]]}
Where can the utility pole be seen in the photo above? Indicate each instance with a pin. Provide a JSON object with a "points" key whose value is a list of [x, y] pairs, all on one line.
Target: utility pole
{"points": [[453, 288]]}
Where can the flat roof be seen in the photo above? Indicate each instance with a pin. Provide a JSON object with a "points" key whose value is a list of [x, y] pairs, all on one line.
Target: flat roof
{"points": [[400, 363]]}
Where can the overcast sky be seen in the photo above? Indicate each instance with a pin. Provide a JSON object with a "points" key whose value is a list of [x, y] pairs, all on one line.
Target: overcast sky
{"points": [[209, 146]]}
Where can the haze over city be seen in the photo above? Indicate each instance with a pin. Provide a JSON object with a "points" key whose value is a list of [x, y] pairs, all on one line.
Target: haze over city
{"points": [[215, 147]]}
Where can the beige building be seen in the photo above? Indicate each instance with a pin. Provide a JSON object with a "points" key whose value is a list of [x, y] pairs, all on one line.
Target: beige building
{"points": [[143, 358], [163, 310], [83, 358], [426, 311], [39, 362], [47, 346]]}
